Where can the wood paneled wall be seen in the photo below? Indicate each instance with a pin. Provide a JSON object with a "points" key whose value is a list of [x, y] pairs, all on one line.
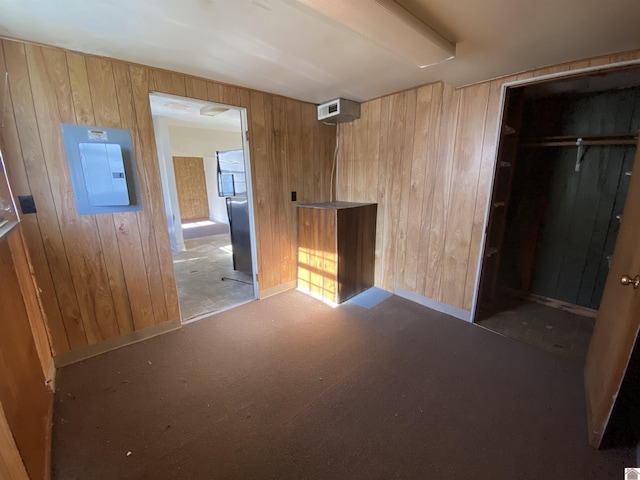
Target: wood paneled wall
{"points": [[103, 276], [191, 187], [11, 465], [25, 399], [426, 155]]}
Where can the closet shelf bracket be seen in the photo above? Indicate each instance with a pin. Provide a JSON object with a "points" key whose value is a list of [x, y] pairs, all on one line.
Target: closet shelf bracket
{"points": [[582, 151]]}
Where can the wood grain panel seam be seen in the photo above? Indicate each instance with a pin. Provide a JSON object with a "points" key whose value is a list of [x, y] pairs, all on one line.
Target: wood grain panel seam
{"points": [[7, 101], [53, 205], [98, 229], [470, 263]]}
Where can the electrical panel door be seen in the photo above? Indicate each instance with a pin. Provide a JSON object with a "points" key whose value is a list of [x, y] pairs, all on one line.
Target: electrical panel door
{"points": [[104, 174]]}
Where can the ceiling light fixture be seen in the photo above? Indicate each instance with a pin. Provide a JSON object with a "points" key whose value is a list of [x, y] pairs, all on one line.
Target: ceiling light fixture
{"points": [[212, 110], [388, 24], [176, 106]]}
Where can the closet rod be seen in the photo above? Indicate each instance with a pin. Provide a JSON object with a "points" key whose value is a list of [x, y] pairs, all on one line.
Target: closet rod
{"points": [[577, 143], [586, 136]]}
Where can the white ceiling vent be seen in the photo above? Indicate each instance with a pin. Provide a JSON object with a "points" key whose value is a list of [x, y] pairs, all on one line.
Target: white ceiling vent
{"points": [[339, 110]]}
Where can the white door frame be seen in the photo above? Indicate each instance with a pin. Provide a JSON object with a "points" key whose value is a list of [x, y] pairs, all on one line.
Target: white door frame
{"points": [[505, 86], [247, 165]]}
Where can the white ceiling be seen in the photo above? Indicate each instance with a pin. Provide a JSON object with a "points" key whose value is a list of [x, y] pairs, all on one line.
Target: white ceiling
{"points": [[185, 112], [273, 46]]}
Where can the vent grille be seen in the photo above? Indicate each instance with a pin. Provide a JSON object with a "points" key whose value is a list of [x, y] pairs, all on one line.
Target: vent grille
{"points": [[338, 111]]}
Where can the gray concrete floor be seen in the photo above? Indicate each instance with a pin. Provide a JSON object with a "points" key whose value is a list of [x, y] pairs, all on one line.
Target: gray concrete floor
{"points": [[199, 272]]}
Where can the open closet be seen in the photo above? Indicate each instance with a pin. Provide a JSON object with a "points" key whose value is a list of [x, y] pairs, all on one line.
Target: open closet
{"points": [[565, 159]]}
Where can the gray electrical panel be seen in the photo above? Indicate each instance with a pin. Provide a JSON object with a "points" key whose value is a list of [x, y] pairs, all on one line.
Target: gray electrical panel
{"points": [[102, 169]]}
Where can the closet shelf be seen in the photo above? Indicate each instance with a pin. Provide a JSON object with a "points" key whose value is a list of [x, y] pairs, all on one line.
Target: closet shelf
{"points": [[577, 140]]}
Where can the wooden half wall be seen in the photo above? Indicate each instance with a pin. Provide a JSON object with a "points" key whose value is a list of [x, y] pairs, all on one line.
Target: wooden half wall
{"points": [[108, 275], [426, 156]]}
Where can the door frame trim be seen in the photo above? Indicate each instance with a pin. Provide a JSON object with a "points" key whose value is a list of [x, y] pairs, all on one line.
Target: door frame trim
{"points": [[244, 128]]}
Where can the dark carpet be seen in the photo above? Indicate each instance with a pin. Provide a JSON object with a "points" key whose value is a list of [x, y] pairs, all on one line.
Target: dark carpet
{"points": [[290, 388], [189, 232]]}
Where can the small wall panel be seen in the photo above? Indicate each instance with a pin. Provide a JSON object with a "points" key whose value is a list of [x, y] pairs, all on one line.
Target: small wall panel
{"points": [[191, 187]]}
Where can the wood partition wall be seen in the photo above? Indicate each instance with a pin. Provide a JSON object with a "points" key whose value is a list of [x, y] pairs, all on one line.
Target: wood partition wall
{"points": [[26, 402], [426, 156], [104, 276], [191, 187]]}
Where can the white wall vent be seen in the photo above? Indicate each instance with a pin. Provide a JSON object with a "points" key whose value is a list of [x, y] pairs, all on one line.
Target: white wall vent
{"points": [[339, 110]]}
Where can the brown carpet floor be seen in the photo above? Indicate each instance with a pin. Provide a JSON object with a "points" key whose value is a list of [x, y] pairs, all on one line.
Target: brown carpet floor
{"points": [[289, 388]]}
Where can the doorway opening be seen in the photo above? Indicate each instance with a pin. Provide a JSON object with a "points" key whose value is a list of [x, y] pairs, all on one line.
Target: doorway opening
{"points": [[205, 171], [565, 157]]}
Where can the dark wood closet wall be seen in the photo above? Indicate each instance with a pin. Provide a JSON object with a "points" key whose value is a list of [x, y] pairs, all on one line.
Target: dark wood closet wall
{"points": [[562, 224]]}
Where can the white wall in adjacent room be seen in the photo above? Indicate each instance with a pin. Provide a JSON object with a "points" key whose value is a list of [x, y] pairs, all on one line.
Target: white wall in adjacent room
{"points": [[201, 142]]}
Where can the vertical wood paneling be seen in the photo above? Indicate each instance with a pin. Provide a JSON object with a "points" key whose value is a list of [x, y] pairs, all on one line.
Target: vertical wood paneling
{"points": [[433, 141], [467, 157], [442, 193], [213, 92], [417, 187], [361, 159], [31, 298], [152, 221], [10, 144], [32, 158], [80, 233], [11, 466], [431, 180], [191, 187], [382, 194], [279, 171], [108, 275], [101, 84], [196, 88], [347, 168], [372, 165], [168, 82], [294, 148], [25, 399], [308, 137], [489, 146], [393, 184], [262, 184], [405, 186], [127, 224]]}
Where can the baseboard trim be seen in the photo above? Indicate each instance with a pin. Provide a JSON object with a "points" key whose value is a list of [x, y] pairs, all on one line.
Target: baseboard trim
{"points": [[270, 292], [75, 356], [434, 305]]}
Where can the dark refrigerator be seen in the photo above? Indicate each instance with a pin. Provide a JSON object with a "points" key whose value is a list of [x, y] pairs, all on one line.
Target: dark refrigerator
{"points": [[238, 211], [232, 185]]}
